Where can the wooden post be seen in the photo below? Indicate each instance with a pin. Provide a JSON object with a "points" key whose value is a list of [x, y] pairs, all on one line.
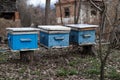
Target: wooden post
{"points": [[88, 49], [27, 56]]}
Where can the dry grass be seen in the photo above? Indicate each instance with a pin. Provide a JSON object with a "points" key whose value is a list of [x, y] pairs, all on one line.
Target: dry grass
{"points": [[5, 24]]}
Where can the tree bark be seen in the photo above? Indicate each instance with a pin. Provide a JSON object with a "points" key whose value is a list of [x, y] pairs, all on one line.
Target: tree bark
{"points": [[60, 12], [102, 70], [47, 10], [75, 6], [79, 11]]}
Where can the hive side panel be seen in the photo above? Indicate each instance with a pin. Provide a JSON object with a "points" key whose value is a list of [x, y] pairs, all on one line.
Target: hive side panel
{"points": [[44, 38], [59, 40], [24, 41], [87, 37]]}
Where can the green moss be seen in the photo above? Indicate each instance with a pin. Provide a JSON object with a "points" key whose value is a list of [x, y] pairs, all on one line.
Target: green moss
{"points": [[65, 72], [72, 63], [93, 71]]}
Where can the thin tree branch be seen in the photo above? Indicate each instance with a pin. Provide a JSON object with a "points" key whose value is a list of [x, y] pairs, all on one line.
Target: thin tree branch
{"points": [[91, 1], [95, 5]]}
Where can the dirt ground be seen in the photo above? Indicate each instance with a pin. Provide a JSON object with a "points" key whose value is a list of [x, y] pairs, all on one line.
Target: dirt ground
{"points": [[58, 64]]}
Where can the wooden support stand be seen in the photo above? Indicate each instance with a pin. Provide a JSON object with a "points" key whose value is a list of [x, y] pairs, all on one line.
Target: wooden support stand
{"points": [[88, 49], [27, 56]]}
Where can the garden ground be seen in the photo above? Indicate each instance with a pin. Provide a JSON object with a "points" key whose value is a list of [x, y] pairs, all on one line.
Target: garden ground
{"points": [[58, 64]]}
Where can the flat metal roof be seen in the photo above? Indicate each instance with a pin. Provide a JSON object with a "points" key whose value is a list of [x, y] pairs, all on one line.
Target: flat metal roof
{"points": [[53, 27], [81, 25], [22, 29]]}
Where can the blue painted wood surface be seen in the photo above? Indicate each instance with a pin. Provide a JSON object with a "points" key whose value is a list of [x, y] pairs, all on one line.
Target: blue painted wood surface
{"points": [[22, 41], [82, 37], [54, 40]]}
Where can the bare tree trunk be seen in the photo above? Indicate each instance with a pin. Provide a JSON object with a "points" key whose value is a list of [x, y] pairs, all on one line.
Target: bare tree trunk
{"points": [[79, 10], [47, 10], [23, 11], [75, 6], [60, 12], [102, 25]]}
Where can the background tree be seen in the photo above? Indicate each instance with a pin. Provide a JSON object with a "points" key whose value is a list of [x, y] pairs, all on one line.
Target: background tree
{"points": [[75, 7], [77, 10], [108, 22], [47, 10], [35, 15], [60, 12], [23, 10]]}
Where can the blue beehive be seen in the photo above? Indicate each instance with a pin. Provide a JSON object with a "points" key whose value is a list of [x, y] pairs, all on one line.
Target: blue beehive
{"points": [[82, 34], [54, 36], [22, 39]]}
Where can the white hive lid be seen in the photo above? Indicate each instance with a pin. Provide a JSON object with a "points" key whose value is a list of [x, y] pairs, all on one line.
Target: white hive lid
{"points": [[21, 29], [53, 27], [82, 26]]}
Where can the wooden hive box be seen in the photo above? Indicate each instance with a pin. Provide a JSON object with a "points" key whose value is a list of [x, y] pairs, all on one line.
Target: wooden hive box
{"points": [[22, 39], [82, 34], [54, 36]]}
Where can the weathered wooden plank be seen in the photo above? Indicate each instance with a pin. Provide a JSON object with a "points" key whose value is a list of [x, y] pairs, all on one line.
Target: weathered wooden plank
{"points": [[27, 56]]}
